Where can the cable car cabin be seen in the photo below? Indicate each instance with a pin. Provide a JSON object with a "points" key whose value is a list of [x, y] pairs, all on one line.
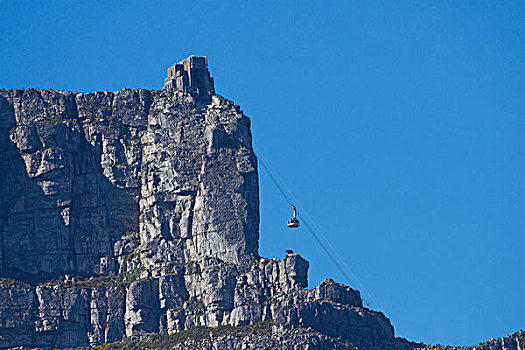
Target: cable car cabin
{"points": [[293, 222]]}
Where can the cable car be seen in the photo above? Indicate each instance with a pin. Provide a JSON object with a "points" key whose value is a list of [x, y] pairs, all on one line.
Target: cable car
{"points": [[293, 222]]}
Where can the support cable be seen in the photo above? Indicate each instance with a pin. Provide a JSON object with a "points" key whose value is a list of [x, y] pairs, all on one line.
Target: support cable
{"points": [[288, 198], [337, 257], [312, 232]]}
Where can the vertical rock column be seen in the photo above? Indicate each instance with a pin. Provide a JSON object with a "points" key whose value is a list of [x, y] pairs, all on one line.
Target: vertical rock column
{"points": [[199, 183]]}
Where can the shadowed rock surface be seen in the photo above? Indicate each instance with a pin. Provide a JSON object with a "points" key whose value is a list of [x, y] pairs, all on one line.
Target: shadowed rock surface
{"points": [[136, 212]]}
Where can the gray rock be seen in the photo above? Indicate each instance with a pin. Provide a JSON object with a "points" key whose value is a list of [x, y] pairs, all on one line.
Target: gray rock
{"points": [[142, 307]]}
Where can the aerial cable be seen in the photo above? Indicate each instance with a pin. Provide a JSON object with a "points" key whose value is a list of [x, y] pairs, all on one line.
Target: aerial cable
{"points": [[309, 228], [288, 197], [325, 249], [305, 217]]}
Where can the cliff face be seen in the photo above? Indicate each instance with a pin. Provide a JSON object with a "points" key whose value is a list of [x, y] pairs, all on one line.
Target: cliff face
{"points": [[85, 177], [136, 212]]}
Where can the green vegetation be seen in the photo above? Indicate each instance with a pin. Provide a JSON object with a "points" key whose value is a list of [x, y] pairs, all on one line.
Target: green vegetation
{"points": [[93, 282], [197, 334], [155, 92], [120, 280], [10, 281]]}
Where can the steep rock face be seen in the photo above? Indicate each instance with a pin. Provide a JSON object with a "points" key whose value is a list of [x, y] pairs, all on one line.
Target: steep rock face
{"points": [[84, 170], [63, 208], [199, 194]]}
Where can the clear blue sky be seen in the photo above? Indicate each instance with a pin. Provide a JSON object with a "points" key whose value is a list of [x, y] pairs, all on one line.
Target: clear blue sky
{"points": [[399, 126]]}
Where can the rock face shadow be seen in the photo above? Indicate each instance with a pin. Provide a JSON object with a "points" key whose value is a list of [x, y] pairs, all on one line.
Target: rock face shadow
{"points": [[60, 211]]}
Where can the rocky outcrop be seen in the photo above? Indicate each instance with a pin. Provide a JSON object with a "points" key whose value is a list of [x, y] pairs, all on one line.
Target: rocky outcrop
{"points": [[136, 212], [259, 336], [199, 188], [514, 341]]}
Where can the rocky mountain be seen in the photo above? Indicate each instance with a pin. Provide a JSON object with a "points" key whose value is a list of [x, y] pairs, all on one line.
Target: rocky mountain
{"points": [[131, 213]]}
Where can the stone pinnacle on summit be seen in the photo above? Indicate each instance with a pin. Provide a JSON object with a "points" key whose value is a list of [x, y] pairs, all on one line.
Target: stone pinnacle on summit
{"points": [[191, 75]]}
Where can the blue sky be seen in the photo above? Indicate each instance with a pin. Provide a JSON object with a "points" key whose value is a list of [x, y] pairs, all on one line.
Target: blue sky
{"points": [[398, 125]]}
